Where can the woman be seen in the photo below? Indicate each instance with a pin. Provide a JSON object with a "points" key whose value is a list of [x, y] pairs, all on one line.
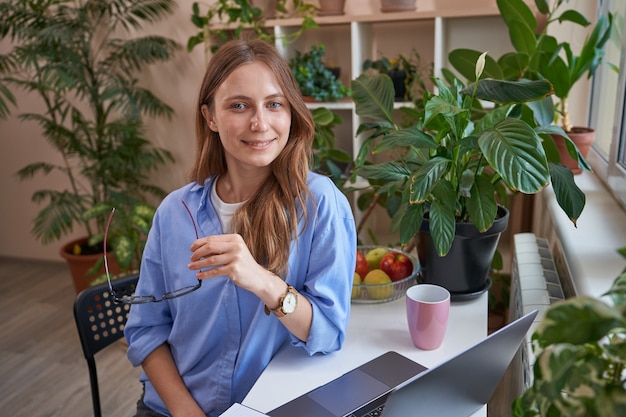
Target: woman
{"points": [[275, 253]]}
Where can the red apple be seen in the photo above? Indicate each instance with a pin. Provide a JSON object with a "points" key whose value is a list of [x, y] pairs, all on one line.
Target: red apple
{"points": [[362, 267], [397, 265]]}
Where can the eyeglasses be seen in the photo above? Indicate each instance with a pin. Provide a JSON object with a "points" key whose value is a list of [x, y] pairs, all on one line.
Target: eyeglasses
{"points": [[143, 299]]}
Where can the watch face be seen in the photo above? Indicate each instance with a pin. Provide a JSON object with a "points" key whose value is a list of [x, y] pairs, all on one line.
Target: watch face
{"points": [[290, 302]]}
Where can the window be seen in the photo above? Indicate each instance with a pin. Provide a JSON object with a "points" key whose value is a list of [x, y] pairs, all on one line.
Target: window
{"points": [[608, 109]]}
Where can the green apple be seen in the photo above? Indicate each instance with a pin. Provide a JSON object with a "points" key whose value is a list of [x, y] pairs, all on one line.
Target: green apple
{"points": [[356, 291], [374, 256], [378, 278]]}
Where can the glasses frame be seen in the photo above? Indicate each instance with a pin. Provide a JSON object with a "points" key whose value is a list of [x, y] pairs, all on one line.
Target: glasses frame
{"points": [[144, 299]]}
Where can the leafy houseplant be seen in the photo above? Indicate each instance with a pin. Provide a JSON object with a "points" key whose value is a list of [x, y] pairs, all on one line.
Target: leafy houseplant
{"points": [[314, 78], [457, 162], [406, 72], [70, 54], [327, 158], [579, 369], [226, 19], [541, 56]]}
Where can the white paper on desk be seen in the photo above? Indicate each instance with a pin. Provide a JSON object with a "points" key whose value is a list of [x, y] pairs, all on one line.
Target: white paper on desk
{"points": [[239, 410]]}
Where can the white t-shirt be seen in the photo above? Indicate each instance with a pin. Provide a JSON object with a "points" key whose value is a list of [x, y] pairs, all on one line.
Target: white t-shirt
{"points": [[225, 211]]}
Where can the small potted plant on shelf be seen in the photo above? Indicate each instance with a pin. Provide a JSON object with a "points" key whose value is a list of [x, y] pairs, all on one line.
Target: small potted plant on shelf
{"points": [[580, 358], [537, 55], [448, 174], [406, 73], [317, 82], [69, 55], [327, 159]]}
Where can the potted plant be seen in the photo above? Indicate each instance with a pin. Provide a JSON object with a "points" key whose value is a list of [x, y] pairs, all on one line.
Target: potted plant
{"points": [[455, 166], [316, 81], [406, 73], [69, 54], [579, 370], [226, 19], [540, 55], [331, 7], [327, 159]]}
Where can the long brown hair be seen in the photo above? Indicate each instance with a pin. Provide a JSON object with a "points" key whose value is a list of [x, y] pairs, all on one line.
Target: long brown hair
{"points": [[268, 221]]}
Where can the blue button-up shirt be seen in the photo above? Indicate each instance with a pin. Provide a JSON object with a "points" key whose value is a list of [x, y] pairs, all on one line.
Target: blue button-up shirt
{"points": [[219, 335]]}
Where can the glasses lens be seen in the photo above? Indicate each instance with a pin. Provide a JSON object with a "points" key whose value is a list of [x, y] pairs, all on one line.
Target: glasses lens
{"points": [[144, 299], [135, 299], [182, 291]]}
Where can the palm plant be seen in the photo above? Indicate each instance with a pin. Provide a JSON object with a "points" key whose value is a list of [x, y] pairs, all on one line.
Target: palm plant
{"points": [[82, 59]]}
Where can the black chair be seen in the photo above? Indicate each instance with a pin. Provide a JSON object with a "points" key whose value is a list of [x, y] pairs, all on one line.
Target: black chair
{"points": [[100, 321]]}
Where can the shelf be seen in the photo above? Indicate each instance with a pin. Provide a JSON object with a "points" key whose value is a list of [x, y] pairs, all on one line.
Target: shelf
{"points": [[345, 104], [426, 9], [364, 32]]}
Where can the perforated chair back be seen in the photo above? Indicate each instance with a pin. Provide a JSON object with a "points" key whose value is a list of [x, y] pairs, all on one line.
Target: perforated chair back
{"points": [[100, 321]]}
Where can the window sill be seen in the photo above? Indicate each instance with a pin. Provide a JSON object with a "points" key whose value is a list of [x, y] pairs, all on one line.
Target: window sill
{"points": [[590, 249]]}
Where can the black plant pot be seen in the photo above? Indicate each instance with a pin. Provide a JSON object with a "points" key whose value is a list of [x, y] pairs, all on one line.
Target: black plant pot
{"points": [[464, 271], [397, 78]]}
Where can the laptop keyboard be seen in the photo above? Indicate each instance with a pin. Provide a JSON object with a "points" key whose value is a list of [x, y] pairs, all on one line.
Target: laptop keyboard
{"points": [[376, 412]]}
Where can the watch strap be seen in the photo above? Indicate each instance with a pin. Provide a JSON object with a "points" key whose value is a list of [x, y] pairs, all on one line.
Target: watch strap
{"points": [[279, 312]]}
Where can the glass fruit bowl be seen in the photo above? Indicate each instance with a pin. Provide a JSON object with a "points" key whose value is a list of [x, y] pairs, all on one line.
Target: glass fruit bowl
{"points": [[382, 293]]}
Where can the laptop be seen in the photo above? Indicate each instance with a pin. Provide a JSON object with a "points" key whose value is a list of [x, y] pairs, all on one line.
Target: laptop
{"points": [[393, 385]]}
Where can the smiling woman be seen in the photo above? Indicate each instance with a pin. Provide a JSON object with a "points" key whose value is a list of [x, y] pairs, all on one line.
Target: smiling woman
{"points": [[264, 223]]}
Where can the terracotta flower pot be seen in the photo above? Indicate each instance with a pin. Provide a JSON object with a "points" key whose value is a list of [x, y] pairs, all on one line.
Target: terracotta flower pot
{"points": [[267, 6], [331, 7], [583, 138], [388, 6], [80, 264]]}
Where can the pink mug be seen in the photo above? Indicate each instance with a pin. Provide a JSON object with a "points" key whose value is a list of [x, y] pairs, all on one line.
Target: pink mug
{"points": [[427, 311]]}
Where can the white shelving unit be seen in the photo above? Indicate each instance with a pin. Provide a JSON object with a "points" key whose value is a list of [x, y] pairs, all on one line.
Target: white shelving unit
{"points": [[433, 30]]}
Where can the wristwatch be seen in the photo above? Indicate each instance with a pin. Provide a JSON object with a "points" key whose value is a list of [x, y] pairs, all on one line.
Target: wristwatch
{"points": [[287, 304]]}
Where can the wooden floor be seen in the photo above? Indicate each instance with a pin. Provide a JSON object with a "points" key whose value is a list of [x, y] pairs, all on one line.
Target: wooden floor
{"points": [[42, 369]]}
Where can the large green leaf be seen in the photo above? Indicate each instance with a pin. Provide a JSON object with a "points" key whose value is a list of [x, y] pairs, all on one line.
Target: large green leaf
{"points": [[410, 136], [373, 96], [426, 177], [515, 152], [411, 222], [517, 11], [387, 171], [442, 223], [464, 61], [557, 71], [543, 111], [481, 205], [570, 198], [522, 37], [593, 319], [508, 92], [438, 105], [513, 65]]}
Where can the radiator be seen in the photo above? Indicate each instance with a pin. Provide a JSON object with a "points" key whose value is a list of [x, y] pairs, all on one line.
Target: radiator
{"points": [[539, 278]]}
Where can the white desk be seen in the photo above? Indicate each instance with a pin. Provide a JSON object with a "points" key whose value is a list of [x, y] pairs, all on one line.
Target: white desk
{"points": [[373, 330]]}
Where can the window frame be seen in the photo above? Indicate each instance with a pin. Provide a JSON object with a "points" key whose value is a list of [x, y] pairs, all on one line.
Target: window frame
{"points": [[610, 169]]}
